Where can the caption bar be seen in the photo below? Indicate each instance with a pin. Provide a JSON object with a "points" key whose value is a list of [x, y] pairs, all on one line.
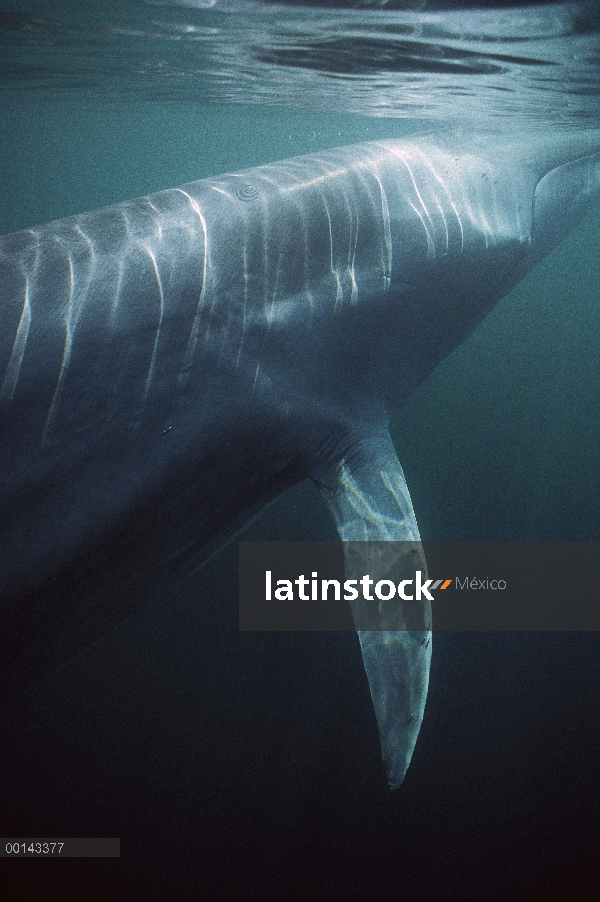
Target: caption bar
{"points": [[491, 586]]}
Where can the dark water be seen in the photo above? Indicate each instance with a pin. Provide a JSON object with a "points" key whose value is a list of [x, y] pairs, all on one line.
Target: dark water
{"points": [[233, 764]]}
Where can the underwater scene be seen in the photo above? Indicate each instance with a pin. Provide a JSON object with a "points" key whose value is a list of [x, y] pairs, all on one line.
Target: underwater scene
{"points": [[249, 764]]}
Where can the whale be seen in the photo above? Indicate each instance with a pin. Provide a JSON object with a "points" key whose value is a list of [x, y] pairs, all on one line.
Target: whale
{"points": [[169, 365]]}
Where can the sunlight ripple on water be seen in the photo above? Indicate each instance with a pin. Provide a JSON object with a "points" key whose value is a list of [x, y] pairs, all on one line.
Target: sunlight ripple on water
{"points": [[531, 63]]}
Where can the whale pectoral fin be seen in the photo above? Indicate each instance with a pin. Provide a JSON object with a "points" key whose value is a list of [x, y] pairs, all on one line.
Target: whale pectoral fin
{"points": [[368, 497]]}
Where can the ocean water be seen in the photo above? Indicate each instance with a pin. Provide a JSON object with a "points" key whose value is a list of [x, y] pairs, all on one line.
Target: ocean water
{"points": [[249, 764]]}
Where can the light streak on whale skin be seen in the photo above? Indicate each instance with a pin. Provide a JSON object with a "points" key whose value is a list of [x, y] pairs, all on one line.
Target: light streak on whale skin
{"points": [[11, 377], [170, 364]]}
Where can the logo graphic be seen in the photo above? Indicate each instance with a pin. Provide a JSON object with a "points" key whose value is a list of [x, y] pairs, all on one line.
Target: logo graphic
{"points": [[385, 589]]}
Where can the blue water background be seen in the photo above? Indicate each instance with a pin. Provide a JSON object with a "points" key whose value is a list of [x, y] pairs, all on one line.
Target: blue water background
{"points": [[233, 764]]}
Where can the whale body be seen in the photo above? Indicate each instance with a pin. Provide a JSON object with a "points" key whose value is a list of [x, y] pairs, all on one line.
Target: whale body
{"points": [[169, 365]]}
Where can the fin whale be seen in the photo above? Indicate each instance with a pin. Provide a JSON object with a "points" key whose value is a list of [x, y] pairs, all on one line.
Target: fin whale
{"points": [[168, 365]]}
